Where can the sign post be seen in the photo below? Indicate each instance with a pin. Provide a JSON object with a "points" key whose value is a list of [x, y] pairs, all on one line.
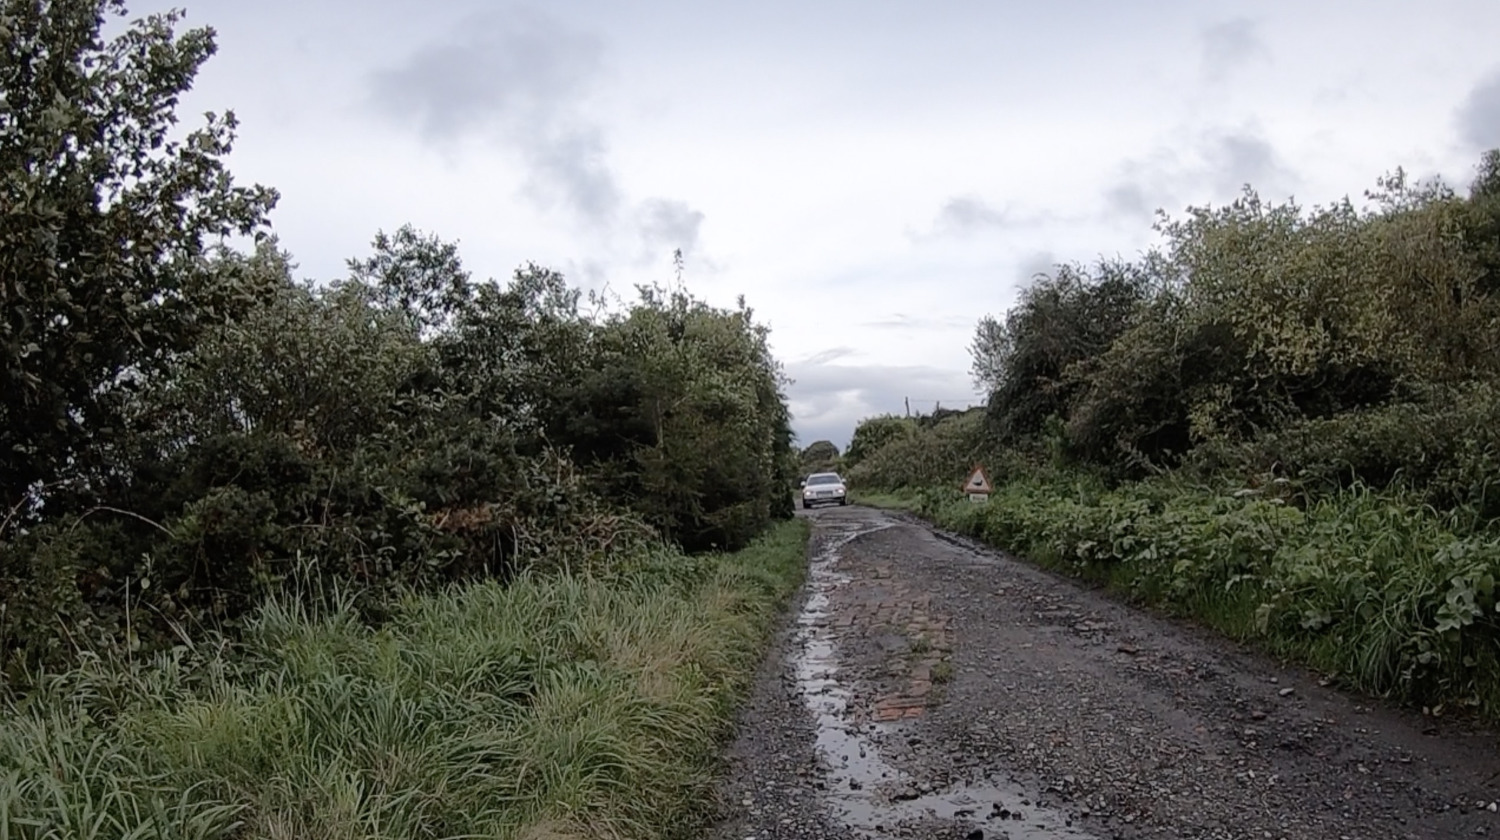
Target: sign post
{"points": [[977, 486]]}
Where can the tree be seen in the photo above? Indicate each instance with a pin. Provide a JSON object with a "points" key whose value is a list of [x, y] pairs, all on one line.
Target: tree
{"points": [[679, 411], [819, 456], [1060, 320], [873, 433], [104, 220], [325, 367]]}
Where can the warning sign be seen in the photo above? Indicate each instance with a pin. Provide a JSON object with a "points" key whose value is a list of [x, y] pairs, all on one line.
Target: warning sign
{"points": [[978, 482]]}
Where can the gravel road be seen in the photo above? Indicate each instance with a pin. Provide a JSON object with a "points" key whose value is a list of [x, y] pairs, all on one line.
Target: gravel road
{"points": [[930, 688]]}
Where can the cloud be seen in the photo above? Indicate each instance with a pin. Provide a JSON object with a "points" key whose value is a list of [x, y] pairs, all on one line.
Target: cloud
{"points": [[826, 356], [966, 215], [1037, 262], [1243, 158], [1479, 116], [828, 400], [1128, 199], [902, 321], [667, 225], [1143, 185], [1214, 168], [522, 78], [1229, 45]]}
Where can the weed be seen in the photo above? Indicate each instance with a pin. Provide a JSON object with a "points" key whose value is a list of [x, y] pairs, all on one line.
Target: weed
{"points": [[942, 672], [551, 706]]}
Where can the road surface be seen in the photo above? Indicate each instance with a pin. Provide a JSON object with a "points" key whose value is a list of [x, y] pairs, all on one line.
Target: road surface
{"points": [[926, 687]]}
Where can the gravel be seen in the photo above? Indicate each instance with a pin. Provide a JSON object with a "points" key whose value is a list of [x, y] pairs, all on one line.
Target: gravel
{"points": [[928, 687]]}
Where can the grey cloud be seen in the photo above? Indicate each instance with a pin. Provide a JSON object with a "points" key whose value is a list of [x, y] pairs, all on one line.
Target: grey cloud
{"points": [[965, 215], [1128, 199], [1479, 116], [828, 400], [1229, 45], [499, 67], [667, 225], [1215, 167], [1037, 262], [902, 321], [573, 165], [521, 77], [1243, 158], [826, 356]]}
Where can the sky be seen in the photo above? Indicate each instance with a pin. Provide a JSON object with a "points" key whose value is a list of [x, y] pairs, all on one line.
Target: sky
{"points": [[872, 176]]}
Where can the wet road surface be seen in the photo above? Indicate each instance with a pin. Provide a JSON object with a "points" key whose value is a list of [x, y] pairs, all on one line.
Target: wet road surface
{"points": [[929, 688]]}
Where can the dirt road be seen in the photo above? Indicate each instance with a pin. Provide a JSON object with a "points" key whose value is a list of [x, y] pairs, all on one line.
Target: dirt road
{"points": [[928, 688]]}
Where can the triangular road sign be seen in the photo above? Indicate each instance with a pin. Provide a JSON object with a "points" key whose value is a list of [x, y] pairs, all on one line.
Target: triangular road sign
{"points": [[978, 482]]}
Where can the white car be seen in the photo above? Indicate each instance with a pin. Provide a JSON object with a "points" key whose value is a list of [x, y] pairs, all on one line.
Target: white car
{"points": [[824, 487]]}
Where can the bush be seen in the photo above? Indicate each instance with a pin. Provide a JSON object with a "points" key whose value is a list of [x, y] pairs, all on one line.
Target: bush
{"points": [[873, 434], [941, 453], [1443, 444], [1373, 587]]}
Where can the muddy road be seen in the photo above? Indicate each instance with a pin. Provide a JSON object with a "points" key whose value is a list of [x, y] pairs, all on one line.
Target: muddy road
{"points": [[928, 688]]}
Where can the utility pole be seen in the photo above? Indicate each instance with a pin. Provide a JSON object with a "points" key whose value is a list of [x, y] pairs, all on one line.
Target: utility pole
{"points": [[908, 405]]}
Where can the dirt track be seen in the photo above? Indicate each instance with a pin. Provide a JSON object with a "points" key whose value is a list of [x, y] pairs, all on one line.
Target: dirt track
{"points": [[928, 688]]}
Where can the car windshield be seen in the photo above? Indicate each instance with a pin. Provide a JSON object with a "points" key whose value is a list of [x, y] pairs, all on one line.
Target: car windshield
{"points": [[824, 479]]}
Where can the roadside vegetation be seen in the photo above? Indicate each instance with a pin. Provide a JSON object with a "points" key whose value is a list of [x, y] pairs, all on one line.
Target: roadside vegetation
{"points": [[549, 706], [402, 553], [1282, 422]]}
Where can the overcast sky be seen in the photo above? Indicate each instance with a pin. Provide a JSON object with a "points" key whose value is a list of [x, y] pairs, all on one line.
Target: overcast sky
{"points": [[872, 176]]}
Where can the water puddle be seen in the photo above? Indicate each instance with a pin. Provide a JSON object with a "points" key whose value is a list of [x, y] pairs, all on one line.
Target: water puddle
{"points": [[864, 791]]}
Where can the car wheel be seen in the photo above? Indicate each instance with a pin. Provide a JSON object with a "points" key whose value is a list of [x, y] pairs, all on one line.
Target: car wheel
{"points": [[807, 505], [843, 502]]}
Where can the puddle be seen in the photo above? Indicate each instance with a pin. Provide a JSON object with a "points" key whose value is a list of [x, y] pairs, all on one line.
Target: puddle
{"points": [[864, 791]]}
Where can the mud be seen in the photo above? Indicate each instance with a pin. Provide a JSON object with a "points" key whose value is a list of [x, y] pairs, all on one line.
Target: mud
{"points": [[926, 687], [863, 791]]}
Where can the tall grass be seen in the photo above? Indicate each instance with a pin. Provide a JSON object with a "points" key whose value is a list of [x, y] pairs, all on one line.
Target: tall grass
{"points": [[552, 707]]}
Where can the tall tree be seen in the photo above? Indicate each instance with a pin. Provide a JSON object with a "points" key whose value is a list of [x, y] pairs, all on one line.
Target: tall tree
{"points": [[105, 214]]}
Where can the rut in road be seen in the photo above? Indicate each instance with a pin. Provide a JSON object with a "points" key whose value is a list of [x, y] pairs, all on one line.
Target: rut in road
{"points": [[930, 688]]}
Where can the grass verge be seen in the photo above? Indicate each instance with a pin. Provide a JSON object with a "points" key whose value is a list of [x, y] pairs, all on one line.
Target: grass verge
{"points": [[561, 706], [909, 502], [1375, 589]]}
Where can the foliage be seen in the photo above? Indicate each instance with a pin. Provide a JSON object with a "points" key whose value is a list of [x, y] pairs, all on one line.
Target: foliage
{"points": [[1387, 595], [819, 456], [1439, 442], [567, 705], [872, 433], [1283, 425], [1252, 318], [403, 428], [404, 554], [104, 220], [186, 430], [933, 454], [1061, 319], [679, 411]]}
